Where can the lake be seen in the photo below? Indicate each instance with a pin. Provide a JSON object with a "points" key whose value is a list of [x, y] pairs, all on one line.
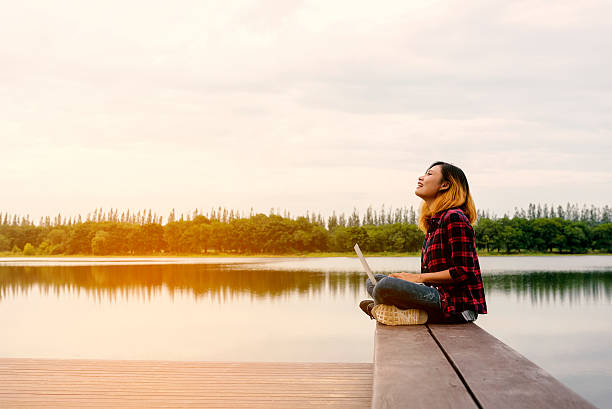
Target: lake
{"points": [[555, 310]]}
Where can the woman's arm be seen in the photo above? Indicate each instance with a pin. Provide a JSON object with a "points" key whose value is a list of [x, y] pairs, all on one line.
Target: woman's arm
{"points": [[439, 277]]}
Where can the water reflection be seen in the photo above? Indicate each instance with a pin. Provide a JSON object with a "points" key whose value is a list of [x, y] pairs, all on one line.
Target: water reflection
{"points": [[553, 287], [224, 282], [292, 310]]}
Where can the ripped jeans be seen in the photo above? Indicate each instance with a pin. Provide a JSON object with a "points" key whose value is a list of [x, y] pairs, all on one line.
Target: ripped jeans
{"points": [[405, 294]]}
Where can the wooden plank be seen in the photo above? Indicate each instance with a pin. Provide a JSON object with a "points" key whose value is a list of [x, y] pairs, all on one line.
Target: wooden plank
{"points": [[411, 371], [95, 384], [498, 376]]}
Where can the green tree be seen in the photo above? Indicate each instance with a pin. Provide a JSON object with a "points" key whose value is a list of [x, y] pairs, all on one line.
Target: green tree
{"points": [[406, 237], [205, 233], [576, 240], [220, 236], [100, 243], [5, 243], [332, 222], [43, 248], [58, 240], [545, 232], [602, 237], [189, 241], [488, 234], [153, 237], [172, 235], [347, 237], [79, 241], [29, 250]]}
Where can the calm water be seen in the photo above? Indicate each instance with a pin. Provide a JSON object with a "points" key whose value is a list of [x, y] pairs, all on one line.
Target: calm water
{"points": [[557, 311]]}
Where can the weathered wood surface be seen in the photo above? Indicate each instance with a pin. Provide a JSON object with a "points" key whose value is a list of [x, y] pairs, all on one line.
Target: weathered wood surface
{"points": [[433, 366], [38, 383], [410, 371], [498, 376]]}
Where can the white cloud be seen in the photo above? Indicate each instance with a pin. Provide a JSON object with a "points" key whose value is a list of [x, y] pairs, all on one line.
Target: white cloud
{"points": [[301, 105]]}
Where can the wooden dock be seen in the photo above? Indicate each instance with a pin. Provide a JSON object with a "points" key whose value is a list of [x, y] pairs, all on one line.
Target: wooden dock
{"points": [[46, 383], [421, 366], [459, 367]]}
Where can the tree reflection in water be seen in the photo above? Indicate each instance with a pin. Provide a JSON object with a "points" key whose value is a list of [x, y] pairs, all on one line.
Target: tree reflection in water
{"points": [[553, 287], [223, 282]]}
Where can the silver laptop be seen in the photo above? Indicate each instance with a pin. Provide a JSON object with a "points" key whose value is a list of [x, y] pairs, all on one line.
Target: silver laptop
{"points": [[364, 263]]}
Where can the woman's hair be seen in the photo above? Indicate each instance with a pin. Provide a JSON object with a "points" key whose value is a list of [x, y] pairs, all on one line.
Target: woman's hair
{"points": [[457, 195]]}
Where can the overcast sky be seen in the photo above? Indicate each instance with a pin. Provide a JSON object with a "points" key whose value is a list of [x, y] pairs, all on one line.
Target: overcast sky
{"points": [[301, 105]]}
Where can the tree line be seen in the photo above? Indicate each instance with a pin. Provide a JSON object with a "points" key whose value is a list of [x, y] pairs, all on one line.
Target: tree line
{"points": [[568, 229]]}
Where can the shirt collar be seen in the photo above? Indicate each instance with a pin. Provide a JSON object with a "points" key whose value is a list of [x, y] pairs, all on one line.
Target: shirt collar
{"points": [[438, 215], [435, 219]]}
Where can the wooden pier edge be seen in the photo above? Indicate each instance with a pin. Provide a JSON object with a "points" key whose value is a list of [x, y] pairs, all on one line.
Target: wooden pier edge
{"points": [[459, 366]]}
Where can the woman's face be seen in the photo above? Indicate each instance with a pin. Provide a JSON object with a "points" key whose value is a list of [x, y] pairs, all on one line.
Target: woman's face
{"points": [[430, 184]]}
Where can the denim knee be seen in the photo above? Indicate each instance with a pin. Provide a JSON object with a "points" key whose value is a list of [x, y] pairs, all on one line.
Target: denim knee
{"points": [[383, 288], [370, 286], [405, 294]]}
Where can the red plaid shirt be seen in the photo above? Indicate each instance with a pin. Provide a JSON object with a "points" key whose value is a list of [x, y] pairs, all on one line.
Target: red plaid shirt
{"points": [[449, 245]]}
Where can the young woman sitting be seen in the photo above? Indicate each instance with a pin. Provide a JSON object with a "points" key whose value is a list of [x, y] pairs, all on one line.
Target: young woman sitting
{"points": [[449, 288]]}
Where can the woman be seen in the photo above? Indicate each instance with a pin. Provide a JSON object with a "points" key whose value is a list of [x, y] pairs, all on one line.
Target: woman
{"points": [[449, 288]]}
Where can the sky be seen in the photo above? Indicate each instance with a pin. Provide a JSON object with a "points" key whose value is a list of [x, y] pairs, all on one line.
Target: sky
{"points": [[301, 105]]}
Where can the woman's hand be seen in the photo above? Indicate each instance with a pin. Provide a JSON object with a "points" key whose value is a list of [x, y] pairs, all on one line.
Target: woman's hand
{"points": [[439, 277], [414, 278]]}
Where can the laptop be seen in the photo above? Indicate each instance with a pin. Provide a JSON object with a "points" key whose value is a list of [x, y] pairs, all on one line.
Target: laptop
{"points": [[366, 267], [364, 263]]}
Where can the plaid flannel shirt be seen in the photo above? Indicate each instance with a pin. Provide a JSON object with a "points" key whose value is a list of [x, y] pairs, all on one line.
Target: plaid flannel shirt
{"points": [[449, 245]]}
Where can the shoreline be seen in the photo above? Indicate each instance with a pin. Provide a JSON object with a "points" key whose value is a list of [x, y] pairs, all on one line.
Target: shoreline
{"points": [[289, 255]]}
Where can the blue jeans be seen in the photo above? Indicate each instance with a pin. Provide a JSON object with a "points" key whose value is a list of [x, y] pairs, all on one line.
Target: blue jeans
{"points": [[405, 294]]}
